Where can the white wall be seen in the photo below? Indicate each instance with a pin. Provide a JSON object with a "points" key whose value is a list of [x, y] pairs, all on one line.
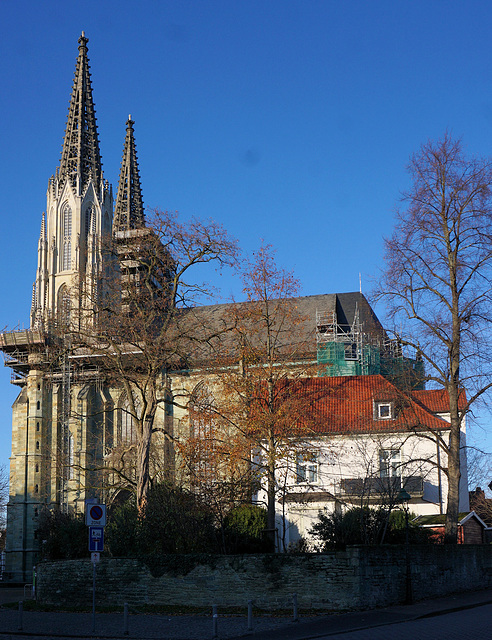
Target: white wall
{"points": [[357, 456]]}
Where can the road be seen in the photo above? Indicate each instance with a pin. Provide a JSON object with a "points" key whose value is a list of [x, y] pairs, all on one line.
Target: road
{"points": [[470, 624], [462, 616]]}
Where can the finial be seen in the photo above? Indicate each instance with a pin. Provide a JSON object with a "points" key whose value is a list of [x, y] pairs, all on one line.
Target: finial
{"points": [[43, 226], [83, 40]]}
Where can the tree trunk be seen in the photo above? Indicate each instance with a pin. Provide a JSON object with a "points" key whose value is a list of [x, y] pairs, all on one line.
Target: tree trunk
{"points": [[453, 387], [271, 492], [454, 473], [143, 463]]}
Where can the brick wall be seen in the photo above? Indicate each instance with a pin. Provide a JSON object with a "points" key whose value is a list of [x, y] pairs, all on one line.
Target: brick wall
{"points": [[356, 578]]}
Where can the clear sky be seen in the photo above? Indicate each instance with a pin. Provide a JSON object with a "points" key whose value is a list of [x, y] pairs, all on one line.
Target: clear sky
{"points": [[290, 121]]}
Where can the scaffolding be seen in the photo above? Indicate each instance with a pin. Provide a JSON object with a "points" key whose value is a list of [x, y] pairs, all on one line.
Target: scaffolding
{"points": [[345, 350], [65, 424], [16, 347]]}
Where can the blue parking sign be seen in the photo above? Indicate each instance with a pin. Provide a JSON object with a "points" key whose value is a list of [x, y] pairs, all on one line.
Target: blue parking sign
{"points": [[96, 538]]}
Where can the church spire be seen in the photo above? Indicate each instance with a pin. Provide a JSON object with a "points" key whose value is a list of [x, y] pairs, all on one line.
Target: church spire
{"points": [[129, 211], [81, 158]]}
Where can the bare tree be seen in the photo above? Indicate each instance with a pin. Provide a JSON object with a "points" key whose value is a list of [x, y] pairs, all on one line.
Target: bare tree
{"points": [[266, 403], [140, 329], [479, 469], [437, 283]]}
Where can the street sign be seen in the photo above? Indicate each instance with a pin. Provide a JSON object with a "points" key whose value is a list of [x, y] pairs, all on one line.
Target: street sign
{"points": [[96, 539], [95, 515], [95, 557]]}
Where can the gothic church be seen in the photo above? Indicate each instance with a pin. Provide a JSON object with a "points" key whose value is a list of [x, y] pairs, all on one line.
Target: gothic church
{"points": [[66, 420]]}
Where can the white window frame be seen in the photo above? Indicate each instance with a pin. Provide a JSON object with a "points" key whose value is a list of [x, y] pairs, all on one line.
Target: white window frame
{"points": [[381, 407], [307, 468], [390, 462]]}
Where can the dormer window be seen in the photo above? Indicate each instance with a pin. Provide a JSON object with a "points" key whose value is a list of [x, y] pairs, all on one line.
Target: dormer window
{"points": [[383, 410]]}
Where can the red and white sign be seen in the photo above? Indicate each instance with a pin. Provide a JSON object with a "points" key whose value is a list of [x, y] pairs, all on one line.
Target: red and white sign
{"points": [[95, 515]]}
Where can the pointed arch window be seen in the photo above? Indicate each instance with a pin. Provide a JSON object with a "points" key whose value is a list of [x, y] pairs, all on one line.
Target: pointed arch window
{"points": [[63, 306], [127, 422], [67, 238], [202, 416], [90, 220]]}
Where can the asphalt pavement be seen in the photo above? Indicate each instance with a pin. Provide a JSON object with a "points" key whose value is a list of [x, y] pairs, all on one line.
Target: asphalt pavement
{"points": [[51, 625]]}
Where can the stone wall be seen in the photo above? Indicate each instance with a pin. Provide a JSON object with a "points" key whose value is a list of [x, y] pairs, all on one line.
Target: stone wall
{"points": [[356, 578]]}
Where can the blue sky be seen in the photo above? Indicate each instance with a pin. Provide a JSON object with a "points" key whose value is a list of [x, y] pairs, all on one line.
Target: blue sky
{"points": [[290, 121]]}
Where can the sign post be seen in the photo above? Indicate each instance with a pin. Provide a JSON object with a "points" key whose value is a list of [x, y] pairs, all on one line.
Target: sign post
{"points": [[95, 519]]}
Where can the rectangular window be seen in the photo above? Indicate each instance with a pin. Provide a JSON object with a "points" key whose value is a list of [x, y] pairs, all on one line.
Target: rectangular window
{"points": [[383, 411], [390, 463], [307, 468]]}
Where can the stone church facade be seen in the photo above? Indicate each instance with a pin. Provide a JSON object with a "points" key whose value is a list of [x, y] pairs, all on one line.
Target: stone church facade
{"points": [[65, 419]]}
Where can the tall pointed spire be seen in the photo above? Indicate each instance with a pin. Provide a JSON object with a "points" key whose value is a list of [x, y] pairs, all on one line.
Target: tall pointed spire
{"points": [[81, 158], [129, 211]]}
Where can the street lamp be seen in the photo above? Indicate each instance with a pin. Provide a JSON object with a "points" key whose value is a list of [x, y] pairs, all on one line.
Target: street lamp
{"points": [[403, 498]]}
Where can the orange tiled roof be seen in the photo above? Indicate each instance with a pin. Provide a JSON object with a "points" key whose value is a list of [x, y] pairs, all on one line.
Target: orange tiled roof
{"points": [[437, 400], [346, 405]]}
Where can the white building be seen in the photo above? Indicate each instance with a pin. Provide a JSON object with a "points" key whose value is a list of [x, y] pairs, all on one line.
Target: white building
{"points": [[371, 440]]}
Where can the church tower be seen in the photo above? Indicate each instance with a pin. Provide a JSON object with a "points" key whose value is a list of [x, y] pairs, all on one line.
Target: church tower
{"points": [[78, 216], [70, 416], [62, 419], [141, 256], [129, 209]]}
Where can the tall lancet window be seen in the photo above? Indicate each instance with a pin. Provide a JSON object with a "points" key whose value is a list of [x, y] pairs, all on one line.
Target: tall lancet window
{"points": [[128, 422], [90, 220], [67, 238], [203, 454], [64, 305]]}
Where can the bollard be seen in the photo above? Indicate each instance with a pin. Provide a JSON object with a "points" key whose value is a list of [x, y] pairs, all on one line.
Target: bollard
{"points": [[294, 602], [21, 609], [215, 617], [125, 618], [250, 615]]}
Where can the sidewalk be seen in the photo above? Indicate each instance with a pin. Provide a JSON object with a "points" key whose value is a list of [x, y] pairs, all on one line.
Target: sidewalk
{"points": [[63, 626]]}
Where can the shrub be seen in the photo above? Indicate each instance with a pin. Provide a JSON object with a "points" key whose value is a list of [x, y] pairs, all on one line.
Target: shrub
{"points": [[244, 530], [364, 526], [175, 522], [62, 535]]}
